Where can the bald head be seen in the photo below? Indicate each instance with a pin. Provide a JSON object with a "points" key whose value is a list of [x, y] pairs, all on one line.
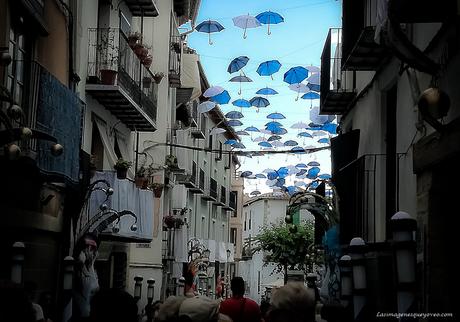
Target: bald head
{"points": [[293, 302]]}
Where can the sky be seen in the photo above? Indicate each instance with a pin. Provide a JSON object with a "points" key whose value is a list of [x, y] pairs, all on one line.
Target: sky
{"points": [[298, 41]]}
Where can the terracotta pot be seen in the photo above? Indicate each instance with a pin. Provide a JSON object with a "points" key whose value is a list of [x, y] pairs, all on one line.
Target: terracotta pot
{"points": [[141, 182], [108, 76], [157, 192]]}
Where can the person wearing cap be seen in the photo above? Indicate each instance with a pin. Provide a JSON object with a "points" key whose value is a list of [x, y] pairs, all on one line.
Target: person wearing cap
{"points": [[238, 307], [293, 302]]}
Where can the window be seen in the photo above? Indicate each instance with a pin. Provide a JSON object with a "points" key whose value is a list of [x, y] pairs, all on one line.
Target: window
{"points": [[210, 141], [250, 218], [245, 219], [16, 70], [220, 152], [233, 235]]}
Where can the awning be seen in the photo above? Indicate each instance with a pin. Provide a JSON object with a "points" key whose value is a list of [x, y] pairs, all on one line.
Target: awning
{"points": [[190, 76]]}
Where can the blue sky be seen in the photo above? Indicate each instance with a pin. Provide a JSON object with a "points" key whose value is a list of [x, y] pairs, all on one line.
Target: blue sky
{"points": [[298, 41]]}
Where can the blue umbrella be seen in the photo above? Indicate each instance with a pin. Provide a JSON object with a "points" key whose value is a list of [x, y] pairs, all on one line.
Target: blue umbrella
{"points": [[301, 172], [238, 145], [234, 123], [241, 103], [240, 79], [273, 124], [252, 129], [312, 173], [330, 127], [295, 75], [268, 68], [291, 143], [276, 116], [230, 142], [237, 63], [291, 190], [272, 175], [266, 91], [313, 185], [242, 133], [310, 95], [300, 165], [273, 138], [314, 87], [265, 144], [245, 174], [324, 140], [209, 26], [268, 18], [281, 182], [234, 115], [325, 176], [298, 149], [313, 164], [305, 135], [261, 176], [222, 98], [259, 102], [279, 131]]}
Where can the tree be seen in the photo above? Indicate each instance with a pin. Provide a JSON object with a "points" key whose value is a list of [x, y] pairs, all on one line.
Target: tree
{"points": [[288, 246]]}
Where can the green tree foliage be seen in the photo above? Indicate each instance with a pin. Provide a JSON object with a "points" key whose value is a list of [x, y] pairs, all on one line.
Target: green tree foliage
{"points": [[287, 246]]}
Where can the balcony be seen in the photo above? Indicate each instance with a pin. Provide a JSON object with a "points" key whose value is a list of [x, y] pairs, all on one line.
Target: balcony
{"points": [[142, 8], [359, 49], [222, 199], [211, 193], [188, 180], [337, 87], [199, 187], [231, 201], [199, 131], [131, 93], [53, 114], [175, 54]]}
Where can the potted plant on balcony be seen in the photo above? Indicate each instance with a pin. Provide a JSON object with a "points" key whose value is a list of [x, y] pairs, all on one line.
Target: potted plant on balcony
{"points": [[158, 76], [134, 38], [147, 61], [122, 167], [171, 162], [142, 178], [157, 189], [169, 221]]}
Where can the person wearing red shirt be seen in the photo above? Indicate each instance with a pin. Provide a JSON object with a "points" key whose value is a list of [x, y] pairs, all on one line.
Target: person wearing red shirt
{"points": [[238, 307]]}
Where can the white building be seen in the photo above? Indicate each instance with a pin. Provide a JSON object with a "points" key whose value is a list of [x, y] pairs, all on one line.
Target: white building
{"points": [[258, 212]]}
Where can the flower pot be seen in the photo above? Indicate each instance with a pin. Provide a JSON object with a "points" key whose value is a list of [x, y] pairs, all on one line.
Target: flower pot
{"points": [[141, 182], [108, 76], [146, 81], [121, 173], [157, 192]]}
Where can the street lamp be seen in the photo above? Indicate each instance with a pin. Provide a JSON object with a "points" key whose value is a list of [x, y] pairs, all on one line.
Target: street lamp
{"points": [[17, 262], [403, 227], [346, 279], [150, 290], [138, 287], [181, 286], [357, 249]]}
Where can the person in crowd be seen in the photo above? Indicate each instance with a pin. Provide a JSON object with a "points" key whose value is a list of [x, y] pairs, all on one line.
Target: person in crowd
{"points": [[169, 310], [199, 309], [264, 307], [293, 302], [238, 307], [113, 305], [14, 303], [46, 302]]}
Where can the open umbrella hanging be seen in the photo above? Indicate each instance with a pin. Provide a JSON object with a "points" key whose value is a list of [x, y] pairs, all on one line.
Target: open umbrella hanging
{"points": [[268, 68], [268, 18], [310, 95], [217, 130], [266, 91], [241, 103], [276, 116], [245, 22], [299, 88], [242, 132], [234, 115], [222, 98], [295, 75], [259, 102], [234, 123], [237, 63], [291, 143], [213, 91], [240, 79], [206, 106], [209, 26], [273, 124]]}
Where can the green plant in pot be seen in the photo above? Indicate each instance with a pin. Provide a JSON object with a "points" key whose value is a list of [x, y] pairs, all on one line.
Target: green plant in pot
{"points": [[171, 162], [157, 189], [122, 167], [142, 177], [107, 52]]}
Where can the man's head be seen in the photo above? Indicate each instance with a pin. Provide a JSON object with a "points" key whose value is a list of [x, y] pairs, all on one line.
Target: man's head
{"points": [[237, 286], [292, 302]]}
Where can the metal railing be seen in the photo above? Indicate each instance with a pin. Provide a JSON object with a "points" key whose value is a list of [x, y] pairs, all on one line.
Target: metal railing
{"points": [[232, 199], [223, 194], [109, 48], [194, 172], [213, 188], [175, 53], [202, 179]]}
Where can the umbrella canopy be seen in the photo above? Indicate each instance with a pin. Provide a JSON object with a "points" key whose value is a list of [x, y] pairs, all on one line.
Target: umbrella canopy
{"points": [[298, 149], [265, 131], [217, 130], [295, 75], [330, 127], [299, 88], [265, 144], [259, 101], [237, 63], [313, 164], [245, 174], [277, 144], [315, 117], [274, 138], [301, 165], [255, 193], [276, 116], [291, 143], [240, 79], [245, 22], [206, 106], [314, 87], [230, 142], [259, 139], [299, 125], [251, 129], [279, 131], [305, 135], [314, 78], [313, 69], [238, 145], [234, 123], [273, 124], [319, 133], [261, 176], [222, 98], [268, 68], [325, 176], [310, 95], [312, 173], [324, 141], [241, 103], [234, 115], [266, 91], [209, 26], [268, 170], [213, 91], [268, 18], [242, 133]]}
